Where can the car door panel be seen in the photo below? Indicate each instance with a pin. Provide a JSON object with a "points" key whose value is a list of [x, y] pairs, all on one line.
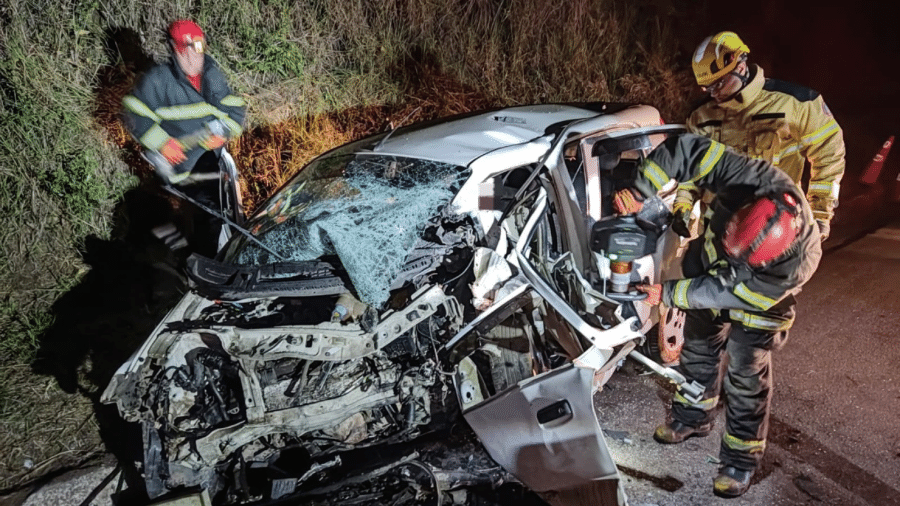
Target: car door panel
{"points": [[544, 430]]}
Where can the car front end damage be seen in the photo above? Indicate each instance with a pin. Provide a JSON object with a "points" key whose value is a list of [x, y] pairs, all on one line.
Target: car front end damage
{"points": [[385, 299], [212, 390]]}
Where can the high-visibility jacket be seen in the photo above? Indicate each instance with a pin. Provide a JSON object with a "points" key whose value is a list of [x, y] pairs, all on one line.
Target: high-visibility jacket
{"points": [[784, 124], [733, 179], [165, 105]]}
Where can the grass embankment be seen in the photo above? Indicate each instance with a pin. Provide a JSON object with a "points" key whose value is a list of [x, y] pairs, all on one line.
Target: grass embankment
{"points": [[316, 74]]}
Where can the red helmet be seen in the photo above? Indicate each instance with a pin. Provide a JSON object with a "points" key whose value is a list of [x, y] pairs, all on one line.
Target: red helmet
{"points": [[185, 33], [762, 230]]}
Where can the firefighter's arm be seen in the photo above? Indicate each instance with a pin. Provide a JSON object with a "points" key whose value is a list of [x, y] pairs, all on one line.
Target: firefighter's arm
{"points": [[682, 207], [140, 117], [700, 123], [688, 193], [822, 142], [674, 158], [232, 108], [696, 161], [691, 123], [718, 292]]}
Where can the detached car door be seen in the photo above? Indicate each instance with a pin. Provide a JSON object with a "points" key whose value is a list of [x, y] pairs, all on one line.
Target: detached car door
{"points": [[543, 428]]}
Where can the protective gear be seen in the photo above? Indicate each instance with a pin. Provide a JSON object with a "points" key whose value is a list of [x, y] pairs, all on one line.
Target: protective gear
{"points": [[212, 142], [786, 125], [732, 310], [824, 229], [165, 105], [745, 379], [717, 56], [761, 231], [732, 482], [173, 152], [681, 218], [676, 432], [625, 202], [711, 166], [185, 33], [654, 292]]}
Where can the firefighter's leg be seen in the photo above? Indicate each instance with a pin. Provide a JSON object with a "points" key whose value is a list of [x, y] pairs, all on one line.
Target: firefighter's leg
{"points": [[748, 382], [705, 335], [748, 390]]}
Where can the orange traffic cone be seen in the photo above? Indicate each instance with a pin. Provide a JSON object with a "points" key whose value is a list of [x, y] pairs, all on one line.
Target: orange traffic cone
{"points": [[874, 168]]}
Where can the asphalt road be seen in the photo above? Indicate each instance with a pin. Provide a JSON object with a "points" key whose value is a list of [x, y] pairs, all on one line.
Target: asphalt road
{"points": [[836, 411]]}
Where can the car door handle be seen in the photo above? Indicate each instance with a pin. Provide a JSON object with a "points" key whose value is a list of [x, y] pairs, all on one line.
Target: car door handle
{"points": [[554, 412]]}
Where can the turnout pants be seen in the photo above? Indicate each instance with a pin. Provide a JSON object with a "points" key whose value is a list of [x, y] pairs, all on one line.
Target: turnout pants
{"points": [[202, 228], [728, 356]]}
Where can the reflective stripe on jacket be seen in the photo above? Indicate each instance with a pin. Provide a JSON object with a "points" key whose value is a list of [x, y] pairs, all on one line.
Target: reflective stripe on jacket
{"points": [[733, 178], [784, 124], [165, 105]]}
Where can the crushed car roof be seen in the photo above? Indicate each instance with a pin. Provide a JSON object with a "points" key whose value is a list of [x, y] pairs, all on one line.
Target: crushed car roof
{"points": [[463, 140]]}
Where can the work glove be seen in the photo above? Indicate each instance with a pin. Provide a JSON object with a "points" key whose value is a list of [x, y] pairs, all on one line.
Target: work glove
{"points": [[681, 218], [824, 229], [654, 293], [173, 152], [626, 202], [212, 142]]}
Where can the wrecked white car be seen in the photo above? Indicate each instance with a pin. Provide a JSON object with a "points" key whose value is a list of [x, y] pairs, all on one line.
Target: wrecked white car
{"points": [[398, 292]]}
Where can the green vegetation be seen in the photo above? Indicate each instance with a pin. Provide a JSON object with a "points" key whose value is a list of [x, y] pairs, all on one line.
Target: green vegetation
{"points": [[315, 73], [58, 180]]}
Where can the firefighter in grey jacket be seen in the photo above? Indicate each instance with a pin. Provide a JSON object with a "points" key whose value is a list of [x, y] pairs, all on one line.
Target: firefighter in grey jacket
{"points": [[741, 275], [182, 112]]}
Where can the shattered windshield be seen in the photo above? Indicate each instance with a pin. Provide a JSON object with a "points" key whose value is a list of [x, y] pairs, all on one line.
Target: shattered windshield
{"points": [[367, 209]]}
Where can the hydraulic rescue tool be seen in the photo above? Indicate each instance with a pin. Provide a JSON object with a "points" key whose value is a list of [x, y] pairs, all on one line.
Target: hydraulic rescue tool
{"points": [[622, 240], [619, 241]]}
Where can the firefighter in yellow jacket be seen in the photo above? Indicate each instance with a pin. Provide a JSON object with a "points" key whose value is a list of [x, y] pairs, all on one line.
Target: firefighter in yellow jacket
{"points": [[780, 122]]}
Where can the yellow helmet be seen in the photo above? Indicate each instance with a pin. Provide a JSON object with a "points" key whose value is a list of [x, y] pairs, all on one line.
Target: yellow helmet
{"points": [[716, 56]]}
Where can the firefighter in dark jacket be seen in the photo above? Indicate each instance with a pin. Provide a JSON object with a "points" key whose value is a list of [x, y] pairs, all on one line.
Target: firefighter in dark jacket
{"points": [[182, 112], [762, 244]]}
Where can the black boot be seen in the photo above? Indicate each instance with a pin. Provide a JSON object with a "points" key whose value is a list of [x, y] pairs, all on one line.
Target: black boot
{"points": [[676, 432], [731, 482]]}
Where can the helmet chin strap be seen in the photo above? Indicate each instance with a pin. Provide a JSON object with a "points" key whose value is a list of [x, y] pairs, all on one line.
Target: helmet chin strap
{"points": [[744, 78]]}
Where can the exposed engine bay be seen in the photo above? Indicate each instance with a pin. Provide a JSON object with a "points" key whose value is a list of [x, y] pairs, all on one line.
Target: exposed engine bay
{"points": [[262, 398]]}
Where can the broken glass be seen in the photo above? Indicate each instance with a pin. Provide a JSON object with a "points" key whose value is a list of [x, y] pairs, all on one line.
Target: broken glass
{"points": [[367, 209]]}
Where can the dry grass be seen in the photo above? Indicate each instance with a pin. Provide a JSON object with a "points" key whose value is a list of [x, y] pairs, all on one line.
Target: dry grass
{"points": [[270, 155], [41, 428]]}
